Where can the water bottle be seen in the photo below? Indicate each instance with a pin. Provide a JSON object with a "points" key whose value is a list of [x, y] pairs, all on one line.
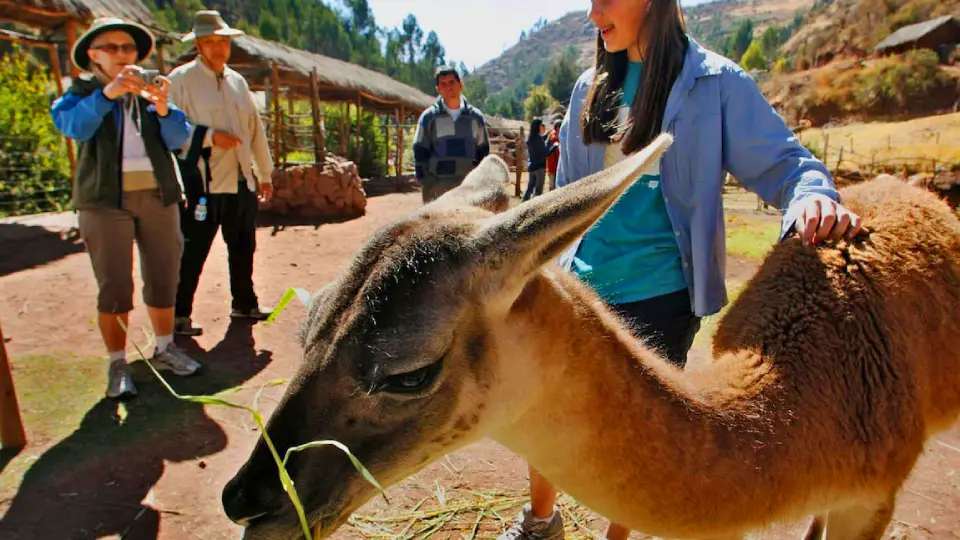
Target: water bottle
{"points": [[200, 212]]}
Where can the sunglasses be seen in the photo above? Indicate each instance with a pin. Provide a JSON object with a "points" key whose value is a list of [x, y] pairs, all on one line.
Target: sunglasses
{"points": [[113, 48]]}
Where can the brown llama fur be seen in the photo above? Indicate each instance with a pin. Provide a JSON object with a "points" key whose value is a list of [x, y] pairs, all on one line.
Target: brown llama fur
{"points": [[829, 373]]}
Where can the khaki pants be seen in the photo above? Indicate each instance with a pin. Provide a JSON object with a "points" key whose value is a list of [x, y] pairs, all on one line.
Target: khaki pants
{"points": [[109, 235], [553, 180]]}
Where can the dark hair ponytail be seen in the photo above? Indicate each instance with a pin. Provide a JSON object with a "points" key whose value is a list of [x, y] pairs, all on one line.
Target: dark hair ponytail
{"points": [[666, 46]]}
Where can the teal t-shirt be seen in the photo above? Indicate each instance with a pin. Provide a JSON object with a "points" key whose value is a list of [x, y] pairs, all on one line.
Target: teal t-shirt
{"points": [[631, 254]]}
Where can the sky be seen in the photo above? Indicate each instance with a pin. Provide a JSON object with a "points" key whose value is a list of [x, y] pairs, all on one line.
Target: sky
{"points": [[475, 31]]}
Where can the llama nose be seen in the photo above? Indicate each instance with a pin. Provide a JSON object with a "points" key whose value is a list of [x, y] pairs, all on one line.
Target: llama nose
{"points": [[243, 506]]}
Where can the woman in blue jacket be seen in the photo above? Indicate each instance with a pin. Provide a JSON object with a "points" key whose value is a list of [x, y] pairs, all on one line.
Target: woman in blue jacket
{"points": [[127, 188], [657, 256]]}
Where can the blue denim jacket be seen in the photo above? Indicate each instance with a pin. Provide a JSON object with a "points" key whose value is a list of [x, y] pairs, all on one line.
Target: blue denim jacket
{"points": [[721, 123]]}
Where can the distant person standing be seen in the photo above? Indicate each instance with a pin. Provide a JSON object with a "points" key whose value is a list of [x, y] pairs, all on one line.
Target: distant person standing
{"points": [[537, 153], [553, 159], [235, 172], [451, 138]]}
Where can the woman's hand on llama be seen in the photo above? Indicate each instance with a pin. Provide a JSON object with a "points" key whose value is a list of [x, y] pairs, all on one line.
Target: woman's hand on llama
{"points": [[823, 219]]}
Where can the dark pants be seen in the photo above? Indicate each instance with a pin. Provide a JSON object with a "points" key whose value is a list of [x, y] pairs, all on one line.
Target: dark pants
{"points": [[535, 184], [665, 322], [236, 216]]}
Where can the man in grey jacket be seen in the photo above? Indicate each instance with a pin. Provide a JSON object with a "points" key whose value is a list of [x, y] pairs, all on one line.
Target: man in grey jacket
{"points": [[451, 138]]}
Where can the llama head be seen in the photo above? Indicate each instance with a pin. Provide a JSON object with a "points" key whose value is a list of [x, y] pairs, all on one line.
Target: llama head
{"points": [[401, 359]]}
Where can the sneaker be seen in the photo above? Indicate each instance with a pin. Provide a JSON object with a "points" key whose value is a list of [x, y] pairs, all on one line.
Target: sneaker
{"points": [[183, 326], [120, 381], [176, 360], [527, 527], [257, 314]]}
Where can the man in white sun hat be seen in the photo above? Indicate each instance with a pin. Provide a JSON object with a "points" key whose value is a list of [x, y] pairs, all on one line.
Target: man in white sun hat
{"points": [[233, 174]]}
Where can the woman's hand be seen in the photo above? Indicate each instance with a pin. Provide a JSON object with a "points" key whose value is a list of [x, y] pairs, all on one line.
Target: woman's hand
{"points": [[823, 219], [158, 94], [127, 82]]}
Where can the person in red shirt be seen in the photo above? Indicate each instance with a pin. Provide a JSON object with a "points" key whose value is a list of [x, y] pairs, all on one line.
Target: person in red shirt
{"points": [[553, 143]]}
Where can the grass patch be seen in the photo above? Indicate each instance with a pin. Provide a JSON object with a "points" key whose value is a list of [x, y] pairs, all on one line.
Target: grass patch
{"points": [[920, 142], [70, 423], [467, 514], [750, 238]]}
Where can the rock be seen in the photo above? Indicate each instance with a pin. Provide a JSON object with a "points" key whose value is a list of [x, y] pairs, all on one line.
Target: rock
{"points": [[332, 189]]}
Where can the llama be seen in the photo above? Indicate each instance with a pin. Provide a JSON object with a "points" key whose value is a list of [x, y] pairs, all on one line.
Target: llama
{"points": [[829, 372]]}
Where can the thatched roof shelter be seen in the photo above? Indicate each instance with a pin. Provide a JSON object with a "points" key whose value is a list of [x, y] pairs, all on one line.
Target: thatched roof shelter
{"points": [[338, 80], [51, 14]]}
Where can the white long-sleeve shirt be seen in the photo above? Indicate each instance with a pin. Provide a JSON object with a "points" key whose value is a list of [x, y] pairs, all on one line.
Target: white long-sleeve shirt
{"points": [[224, 103]]}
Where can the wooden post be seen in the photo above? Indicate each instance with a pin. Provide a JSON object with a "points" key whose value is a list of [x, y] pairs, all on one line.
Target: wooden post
{"points": [[386, 144], [70, 29], [290, 128], [58, 75], [277, 127], [319, 142], [344, 114], [11, 424], [357, 140], [161, 61], [518, 156], [401, 122]]}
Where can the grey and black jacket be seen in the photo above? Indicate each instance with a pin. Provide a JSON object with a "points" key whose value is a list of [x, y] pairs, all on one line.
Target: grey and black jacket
{"points": [[446, 150]]}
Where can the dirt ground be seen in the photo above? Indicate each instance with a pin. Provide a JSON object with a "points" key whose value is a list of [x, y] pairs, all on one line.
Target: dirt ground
{"points": [[155, 469]]}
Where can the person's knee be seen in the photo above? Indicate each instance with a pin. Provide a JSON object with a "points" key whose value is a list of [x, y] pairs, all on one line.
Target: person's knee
{"points": [[115, 295]]}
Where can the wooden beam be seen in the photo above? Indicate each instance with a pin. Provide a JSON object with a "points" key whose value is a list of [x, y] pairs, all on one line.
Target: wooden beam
{"points": [[58, 75], [277, 127], [70, 29], [319, 142], [344, 112], [357, 141], [161, 61], [400, 128], [518, 158], [11, 424]]}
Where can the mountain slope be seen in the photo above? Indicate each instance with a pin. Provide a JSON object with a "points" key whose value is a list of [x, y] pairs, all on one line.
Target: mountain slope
{"points": [[710, 23]]}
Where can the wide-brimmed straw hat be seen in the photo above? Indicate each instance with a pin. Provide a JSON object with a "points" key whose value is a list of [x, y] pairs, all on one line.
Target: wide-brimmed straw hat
{"points": [[208, 22], [141, 36]]}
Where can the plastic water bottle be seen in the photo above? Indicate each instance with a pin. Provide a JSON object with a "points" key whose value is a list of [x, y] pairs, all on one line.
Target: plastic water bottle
{"points": [[200, 212]]}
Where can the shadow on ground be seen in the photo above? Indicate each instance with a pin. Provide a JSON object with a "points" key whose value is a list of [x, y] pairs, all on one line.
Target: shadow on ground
{"points": [[28, 246], [93, 483]]}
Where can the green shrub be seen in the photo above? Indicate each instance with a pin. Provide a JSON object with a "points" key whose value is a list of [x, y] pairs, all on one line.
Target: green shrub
{"points": [[34, 169]]}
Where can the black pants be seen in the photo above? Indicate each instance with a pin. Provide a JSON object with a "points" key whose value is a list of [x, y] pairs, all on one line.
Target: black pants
{"points": [[666, 323], [236, 216]]}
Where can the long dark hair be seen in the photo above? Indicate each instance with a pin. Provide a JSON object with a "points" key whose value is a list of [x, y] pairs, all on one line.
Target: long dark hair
{"points": [[534, 129], [665, 32]]}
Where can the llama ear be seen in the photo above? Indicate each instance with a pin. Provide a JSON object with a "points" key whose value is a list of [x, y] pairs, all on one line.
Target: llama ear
{"points": [[531, 234], [484, 187]]}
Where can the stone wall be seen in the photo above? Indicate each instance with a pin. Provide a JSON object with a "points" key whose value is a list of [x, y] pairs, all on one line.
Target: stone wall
{"points": [[329, 190]]}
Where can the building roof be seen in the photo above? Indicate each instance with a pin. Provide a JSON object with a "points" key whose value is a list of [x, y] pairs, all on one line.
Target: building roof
{"points": [[338, 80], [913, 32], [51, 13]]}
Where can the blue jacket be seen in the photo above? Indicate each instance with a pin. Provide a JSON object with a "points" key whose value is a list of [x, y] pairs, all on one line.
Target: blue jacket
{"points": [[80, 114], [721, 123]]}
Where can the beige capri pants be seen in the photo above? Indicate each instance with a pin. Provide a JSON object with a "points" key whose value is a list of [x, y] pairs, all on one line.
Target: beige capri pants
{"points": [[109, 235]]}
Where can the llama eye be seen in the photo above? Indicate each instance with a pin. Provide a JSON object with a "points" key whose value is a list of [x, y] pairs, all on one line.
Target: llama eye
{"points": [[412, 381]]}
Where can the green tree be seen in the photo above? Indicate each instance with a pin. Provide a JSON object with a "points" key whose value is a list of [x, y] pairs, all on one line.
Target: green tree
{"points": [[475, 90], [753, 58], [34, 160], [537, 102], [560, 79], [738, 42]]}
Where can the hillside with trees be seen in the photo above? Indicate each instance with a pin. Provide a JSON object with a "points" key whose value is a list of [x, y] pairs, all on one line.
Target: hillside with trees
{"points": [[549, 57]]}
